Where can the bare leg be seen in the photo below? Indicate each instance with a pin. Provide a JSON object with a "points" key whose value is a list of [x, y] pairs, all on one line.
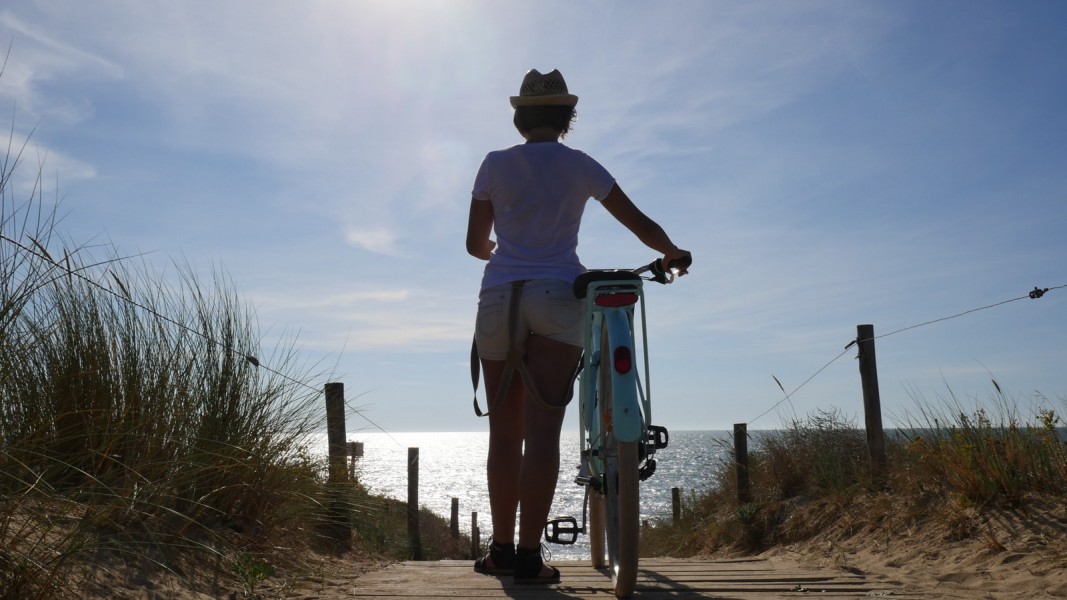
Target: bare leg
{"points": [[505, 449], [551, 365]]}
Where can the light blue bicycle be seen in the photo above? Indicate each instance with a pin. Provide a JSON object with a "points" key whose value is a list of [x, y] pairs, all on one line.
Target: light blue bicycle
{"points": [[618, 439]]}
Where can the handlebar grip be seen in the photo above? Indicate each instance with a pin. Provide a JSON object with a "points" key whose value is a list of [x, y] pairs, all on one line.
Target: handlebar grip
{"points": [[659, 274], [680, 263]]}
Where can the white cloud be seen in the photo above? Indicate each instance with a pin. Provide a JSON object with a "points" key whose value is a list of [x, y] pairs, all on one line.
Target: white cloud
{"points": [[399, 327], [40, 171], [304, 300], [378, 241], [365, 317], [39, 59]]}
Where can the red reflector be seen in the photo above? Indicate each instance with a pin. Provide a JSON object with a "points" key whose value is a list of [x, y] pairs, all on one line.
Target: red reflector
{"points": [[623, 361], [615, 300]]}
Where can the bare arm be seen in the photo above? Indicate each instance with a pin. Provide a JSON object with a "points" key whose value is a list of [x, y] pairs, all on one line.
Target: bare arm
{"points": [[479, 226], [619, 205]]}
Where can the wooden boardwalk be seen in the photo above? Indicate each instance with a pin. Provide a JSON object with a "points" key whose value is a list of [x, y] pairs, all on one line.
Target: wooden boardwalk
{"points": [[658, 578]]}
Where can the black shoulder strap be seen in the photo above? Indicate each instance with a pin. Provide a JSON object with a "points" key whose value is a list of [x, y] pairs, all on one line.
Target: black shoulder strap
{"points": [[476, 364], [512, 364]]}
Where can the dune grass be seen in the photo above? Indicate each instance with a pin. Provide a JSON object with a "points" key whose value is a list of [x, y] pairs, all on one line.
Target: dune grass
{"points": [[141, 425], [987, 455], [947, 465], [121, 431]]}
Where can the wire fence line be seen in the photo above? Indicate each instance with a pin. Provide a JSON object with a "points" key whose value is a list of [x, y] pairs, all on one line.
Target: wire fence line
{"points": [[38, 251], [789, 395], [1034, 294]]}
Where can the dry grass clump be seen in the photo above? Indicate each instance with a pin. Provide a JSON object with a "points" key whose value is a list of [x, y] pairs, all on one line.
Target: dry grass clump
{"points": [[987, 458], [949, 472]]}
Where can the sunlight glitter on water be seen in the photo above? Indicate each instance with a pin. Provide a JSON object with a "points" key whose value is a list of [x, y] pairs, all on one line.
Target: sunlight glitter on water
{"points": [[452, 465]]}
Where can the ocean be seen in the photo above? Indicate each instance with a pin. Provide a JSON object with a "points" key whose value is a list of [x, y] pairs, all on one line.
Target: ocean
{"points": [[452, 465]]}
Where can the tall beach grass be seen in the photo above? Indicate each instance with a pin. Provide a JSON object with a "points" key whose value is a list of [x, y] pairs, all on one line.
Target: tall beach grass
{"points": [[141, 427], [132, 422]]}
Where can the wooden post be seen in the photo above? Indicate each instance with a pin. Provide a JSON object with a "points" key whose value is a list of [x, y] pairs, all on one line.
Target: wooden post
{"points": [[335, 431], [676, 504], [744, 489], [414, 536], [337, 524], [872, 404], [476, 537], [454, 521]]}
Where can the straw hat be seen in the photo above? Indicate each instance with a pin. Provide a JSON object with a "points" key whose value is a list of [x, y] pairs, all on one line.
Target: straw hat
{"points": [[543, 89]]}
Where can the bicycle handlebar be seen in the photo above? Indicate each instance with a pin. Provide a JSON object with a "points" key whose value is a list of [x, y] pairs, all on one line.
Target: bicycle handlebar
{"points": [[661, 275]]}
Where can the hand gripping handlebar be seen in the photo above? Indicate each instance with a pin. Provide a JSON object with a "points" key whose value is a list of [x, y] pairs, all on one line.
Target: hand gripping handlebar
{"points": [[661, 275]]}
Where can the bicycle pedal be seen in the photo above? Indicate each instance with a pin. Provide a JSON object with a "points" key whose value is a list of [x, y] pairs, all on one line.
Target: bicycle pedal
{"points": [[658, 437], [562, 530], [647, 470]]}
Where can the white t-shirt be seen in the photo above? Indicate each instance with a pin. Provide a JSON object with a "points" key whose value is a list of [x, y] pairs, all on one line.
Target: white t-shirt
{"points": [[539, 192]]}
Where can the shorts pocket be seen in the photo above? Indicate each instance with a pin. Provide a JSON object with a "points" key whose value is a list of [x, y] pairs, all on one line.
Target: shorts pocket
{"points": [[490, 318], [564, 313]]}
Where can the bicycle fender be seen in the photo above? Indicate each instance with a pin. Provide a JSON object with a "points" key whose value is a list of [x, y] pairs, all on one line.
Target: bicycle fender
{"points": [[627, 421]]}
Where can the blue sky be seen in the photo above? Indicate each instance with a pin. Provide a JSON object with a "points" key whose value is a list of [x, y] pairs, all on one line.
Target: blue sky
{"points": [[827, 163]]}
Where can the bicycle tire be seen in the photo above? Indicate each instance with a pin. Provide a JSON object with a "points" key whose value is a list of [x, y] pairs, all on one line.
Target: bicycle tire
{"points": [[623, 518], [621, 493]]}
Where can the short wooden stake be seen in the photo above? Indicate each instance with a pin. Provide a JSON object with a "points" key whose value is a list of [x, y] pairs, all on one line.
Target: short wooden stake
{"points": [[676, 504], [454, 521], [476, 542], [414, 535], [744, 489]]}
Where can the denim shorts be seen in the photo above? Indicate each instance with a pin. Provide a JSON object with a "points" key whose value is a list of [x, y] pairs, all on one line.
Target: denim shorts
{"points": [[547, 308]]}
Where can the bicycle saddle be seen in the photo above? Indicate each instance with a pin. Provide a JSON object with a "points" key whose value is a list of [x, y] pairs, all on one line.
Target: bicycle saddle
{"points": [[581, 284]]}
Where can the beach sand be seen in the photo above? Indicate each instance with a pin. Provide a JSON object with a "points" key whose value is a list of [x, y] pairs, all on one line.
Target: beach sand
{"points": [[966, 553]]}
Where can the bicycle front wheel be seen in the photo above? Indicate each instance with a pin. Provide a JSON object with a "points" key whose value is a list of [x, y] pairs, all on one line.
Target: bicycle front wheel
{"points": [[596, 529]]}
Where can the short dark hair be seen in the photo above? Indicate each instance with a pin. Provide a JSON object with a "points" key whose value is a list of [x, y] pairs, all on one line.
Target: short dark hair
{"points": [[557, 116]]}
